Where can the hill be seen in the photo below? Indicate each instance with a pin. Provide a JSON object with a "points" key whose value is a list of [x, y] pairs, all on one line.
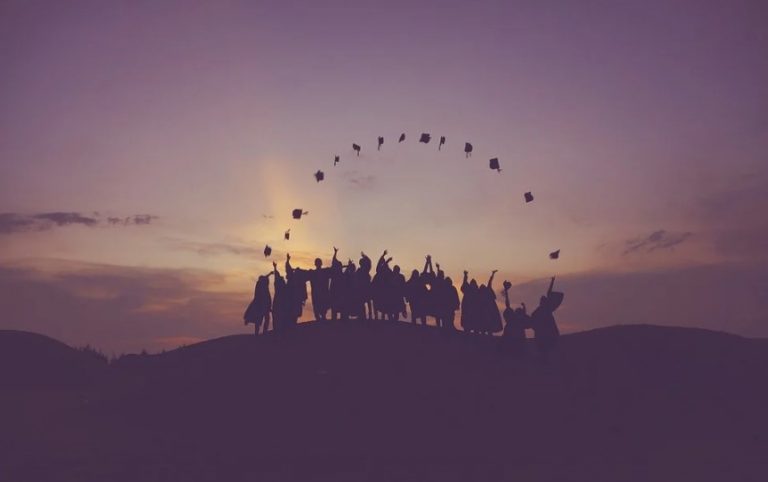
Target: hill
{"points": [[381, 401]]}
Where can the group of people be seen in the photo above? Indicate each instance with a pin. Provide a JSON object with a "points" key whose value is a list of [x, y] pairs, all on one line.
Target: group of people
{"points": [[348, 291]]}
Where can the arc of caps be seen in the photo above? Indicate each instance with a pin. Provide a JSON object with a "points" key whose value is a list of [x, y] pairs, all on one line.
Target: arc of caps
{"points": [[425, 138], [298, 213], [554, 254], [356, 148], [468, 149]]}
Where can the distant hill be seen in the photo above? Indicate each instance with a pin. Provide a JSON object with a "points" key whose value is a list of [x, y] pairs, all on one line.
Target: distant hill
{"points": [[384, 401], [33, 360]]}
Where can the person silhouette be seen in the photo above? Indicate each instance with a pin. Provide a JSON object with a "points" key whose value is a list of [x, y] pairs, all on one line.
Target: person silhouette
{"points": [[414, 292], [543, 322], [319, 282], [515, 322], [351, 300], [337, 287], [469, 304], [428, 291], [381, 293], [451, 303], [490, 318], [295, 294], [363, 288], [259, 308], [397, 293]]}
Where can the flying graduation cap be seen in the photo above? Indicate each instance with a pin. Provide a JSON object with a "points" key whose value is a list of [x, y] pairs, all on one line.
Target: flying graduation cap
{"points": [[494, 164], [335, 161], [425, 138], [554, 254], [287, 235], [356, 148], [267, 250], [381, 141], [402, 137], [297, 213], [468, 149], [442, 141], [528, 197]]}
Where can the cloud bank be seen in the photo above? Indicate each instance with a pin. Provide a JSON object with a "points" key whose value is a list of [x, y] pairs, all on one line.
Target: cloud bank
{"points": [[12, 223]]}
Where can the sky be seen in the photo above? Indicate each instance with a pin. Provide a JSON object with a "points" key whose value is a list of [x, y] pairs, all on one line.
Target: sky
{"points": [[149, 151]]}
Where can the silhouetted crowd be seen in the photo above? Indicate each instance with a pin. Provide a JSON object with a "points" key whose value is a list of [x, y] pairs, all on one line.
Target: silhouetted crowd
{"points": [[348, 291]]}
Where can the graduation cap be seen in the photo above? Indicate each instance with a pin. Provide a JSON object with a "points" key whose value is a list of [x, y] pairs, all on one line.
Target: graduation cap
{"points": [[528, 197], [335, 161], [402, 137], [442, 141], [319, 175], [468, 149], [381, 141], [356, 148], [267, 251], [554, 254], [297, 213], [287, 235], [494, 164], [425, 138]]}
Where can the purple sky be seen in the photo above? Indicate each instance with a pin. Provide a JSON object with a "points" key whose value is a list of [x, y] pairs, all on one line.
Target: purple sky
{"points": [[640, 127]]}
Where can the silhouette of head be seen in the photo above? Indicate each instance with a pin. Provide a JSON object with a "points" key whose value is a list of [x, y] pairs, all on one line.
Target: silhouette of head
{"points": [[318, 263], [396, 269], [440, 274], [448, 280], [543, 300], [473, 284]]}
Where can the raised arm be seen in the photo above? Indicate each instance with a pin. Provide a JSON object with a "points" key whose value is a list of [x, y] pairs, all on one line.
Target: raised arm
{"points": [[464, 283], [382, 261], [551, 285], [274, 269], [288, 268], [490, 280], [507, 285]]}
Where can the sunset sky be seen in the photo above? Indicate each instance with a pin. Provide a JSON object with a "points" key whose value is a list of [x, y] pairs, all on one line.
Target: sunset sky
{"points": [[179, 135]]}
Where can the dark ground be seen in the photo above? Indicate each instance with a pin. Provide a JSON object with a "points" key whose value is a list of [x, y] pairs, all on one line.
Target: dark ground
{"points": [[380, 401]]}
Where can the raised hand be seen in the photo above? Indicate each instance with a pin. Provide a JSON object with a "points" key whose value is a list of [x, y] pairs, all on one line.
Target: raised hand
{"points": [[274, 264], [385, 252], [335, 250], [287, 256]]}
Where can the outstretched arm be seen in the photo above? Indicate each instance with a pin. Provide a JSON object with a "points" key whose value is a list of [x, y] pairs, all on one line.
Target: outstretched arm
{"points": [[288, 268], [551, 285], [490, 280], [507, 285], [382, 260], [464, 283], [274, 269]]}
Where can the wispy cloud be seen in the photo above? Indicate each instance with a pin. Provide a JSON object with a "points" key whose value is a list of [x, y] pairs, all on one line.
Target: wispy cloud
{"points": [[660, 239], [12, 223]]}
